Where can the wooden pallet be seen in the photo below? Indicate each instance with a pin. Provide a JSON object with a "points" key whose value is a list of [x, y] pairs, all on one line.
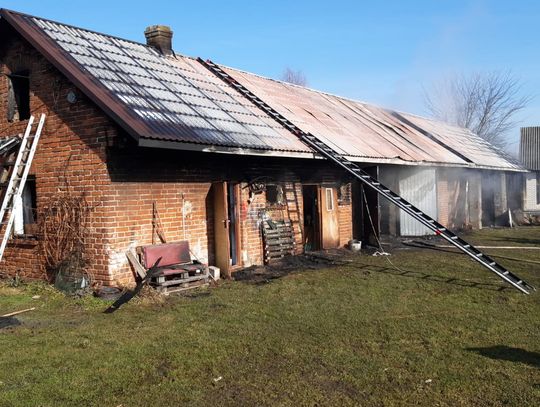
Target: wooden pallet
{"points": [[176, 283], [278, 239]]}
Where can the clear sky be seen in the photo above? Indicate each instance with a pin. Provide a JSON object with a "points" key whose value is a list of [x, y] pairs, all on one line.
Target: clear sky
{"points": [[383, 52]]}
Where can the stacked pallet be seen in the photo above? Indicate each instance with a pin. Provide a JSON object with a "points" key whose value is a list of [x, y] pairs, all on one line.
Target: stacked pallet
{"points": [[278, 237]]}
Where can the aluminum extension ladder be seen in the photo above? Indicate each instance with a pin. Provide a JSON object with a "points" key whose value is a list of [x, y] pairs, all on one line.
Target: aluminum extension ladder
{"points": [[17, 179], [371, 182]]}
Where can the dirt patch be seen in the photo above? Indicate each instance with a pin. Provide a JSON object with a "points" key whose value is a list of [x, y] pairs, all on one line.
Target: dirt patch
{"points": [[291, 264]]}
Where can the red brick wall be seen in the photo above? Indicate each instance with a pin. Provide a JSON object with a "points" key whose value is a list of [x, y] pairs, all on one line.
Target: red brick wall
{"points": [[345, 223], [70, 156]]}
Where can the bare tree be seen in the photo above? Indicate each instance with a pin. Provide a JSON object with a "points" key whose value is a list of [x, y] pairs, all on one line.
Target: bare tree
{"points": [[294, 77], [485, 103]]}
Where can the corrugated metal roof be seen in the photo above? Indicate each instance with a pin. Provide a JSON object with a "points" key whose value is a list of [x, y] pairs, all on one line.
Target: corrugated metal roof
{"points": [[529, 147], [470, 145], [175, 97], [361, 130]]}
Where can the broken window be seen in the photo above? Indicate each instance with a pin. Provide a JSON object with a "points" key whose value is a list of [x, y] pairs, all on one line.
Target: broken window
{"points": [[18, 103], [25, 209], [274, 195], [344, 194]]}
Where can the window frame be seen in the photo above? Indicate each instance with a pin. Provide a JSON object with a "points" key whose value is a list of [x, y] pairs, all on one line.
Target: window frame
{"points": [[22, 225], [277, 193], [18, 96], [329, 193]]}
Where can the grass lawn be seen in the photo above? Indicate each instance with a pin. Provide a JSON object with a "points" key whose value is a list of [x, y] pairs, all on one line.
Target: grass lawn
{"points": [[437, 332]]}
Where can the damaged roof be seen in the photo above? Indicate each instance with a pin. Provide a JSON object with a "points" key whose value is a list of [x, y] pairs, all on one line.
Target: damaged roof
{"points": [[364, 131], [174, 101]]}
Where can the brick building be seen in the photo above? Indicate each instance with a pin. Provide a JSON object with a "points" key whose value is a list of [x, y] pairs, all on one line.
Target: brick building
{"points": [[133, 127]]}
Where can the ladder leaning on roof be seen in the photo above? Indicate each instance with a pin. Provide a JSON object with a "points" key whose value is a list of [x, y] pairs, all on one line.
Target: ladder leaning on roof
{"points": [[17, 179], [353, 169]]}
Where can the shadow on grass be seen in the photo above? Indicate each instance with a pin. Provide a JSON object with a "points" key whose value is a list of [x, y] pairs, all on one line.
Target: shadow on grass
{"points": [[128, 295], [501, 352], [431, 277], [516, 240], [124, 298]]}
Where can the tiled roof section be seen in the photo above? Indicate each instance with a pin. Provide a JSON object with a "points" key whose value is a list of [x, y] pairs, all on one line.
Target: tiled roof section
{"points": [[361, 130], [176, 97]]}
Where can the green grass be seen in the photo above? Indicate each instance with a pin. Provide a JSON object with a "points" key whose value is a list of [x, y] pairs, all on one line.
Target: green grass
{"points": [[437, 332]]}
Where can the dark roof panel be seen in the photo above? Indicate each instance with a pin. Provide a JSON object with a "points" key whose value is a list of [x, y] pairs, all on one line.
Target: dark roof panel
{"points": [[175, 98]]}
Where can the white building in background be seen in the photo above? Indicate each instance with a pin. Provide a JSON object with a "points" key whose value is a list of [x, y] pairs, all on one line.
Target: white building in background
{"points": [[529, 152]]}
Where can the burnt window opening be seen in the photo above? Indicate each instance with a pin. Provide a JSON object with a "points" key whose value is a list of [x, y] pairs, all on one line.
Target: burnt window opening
{"points": [[26, 209], [274, 195], [344, 194], [18, 102]]}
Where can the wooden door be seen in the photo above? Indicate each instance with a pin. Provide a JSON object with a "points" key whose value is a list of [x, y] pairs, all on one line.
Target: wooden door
{"points": [[329, 217], [221, 228]]}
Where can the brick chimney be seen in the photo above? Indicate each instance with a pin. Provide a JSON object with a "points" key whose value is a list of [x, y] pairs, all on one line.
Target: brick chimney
{"points": [[159, 37]]}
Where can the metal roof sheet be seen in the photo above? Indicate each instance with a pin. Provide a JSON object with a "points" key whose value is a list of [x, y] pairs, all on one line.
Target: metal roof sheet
{"points": [[172, 98], [361, 130], [529, 147], [177, 99], [470, 145]]}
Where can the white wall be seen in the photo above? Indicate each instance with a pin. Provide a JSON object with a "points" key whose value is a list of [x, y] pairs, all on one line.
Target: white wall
{"points": [[529, 199], [418, 186]]}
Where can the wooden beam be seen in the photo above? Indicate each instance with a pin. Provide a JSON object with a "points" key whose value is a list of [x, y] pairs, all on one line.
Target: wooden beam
{"points": [[137, 266]]}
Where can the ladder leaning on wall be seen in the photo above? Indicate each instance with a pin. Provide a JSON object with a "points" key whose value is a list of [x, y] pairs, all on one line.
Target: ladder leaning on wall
{"points": [[17, 179], [353, 169]]}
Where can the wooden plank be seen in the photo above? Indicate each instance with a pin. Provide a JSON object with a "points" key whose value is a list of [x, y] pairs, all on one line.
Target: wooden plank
{"points": [[278, 256], [279, 241], [178, 281], [137, 266], [270, 252], [18, 312], [279, 246], [278, 234], [190, 286], [278, 228], [278, 249]]}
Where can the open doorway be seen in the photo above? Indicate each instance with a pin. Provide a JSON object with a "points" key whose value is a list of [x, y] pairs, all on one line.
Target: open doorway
{"points": [[312, 233], [226, 226], [365, 203]]}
